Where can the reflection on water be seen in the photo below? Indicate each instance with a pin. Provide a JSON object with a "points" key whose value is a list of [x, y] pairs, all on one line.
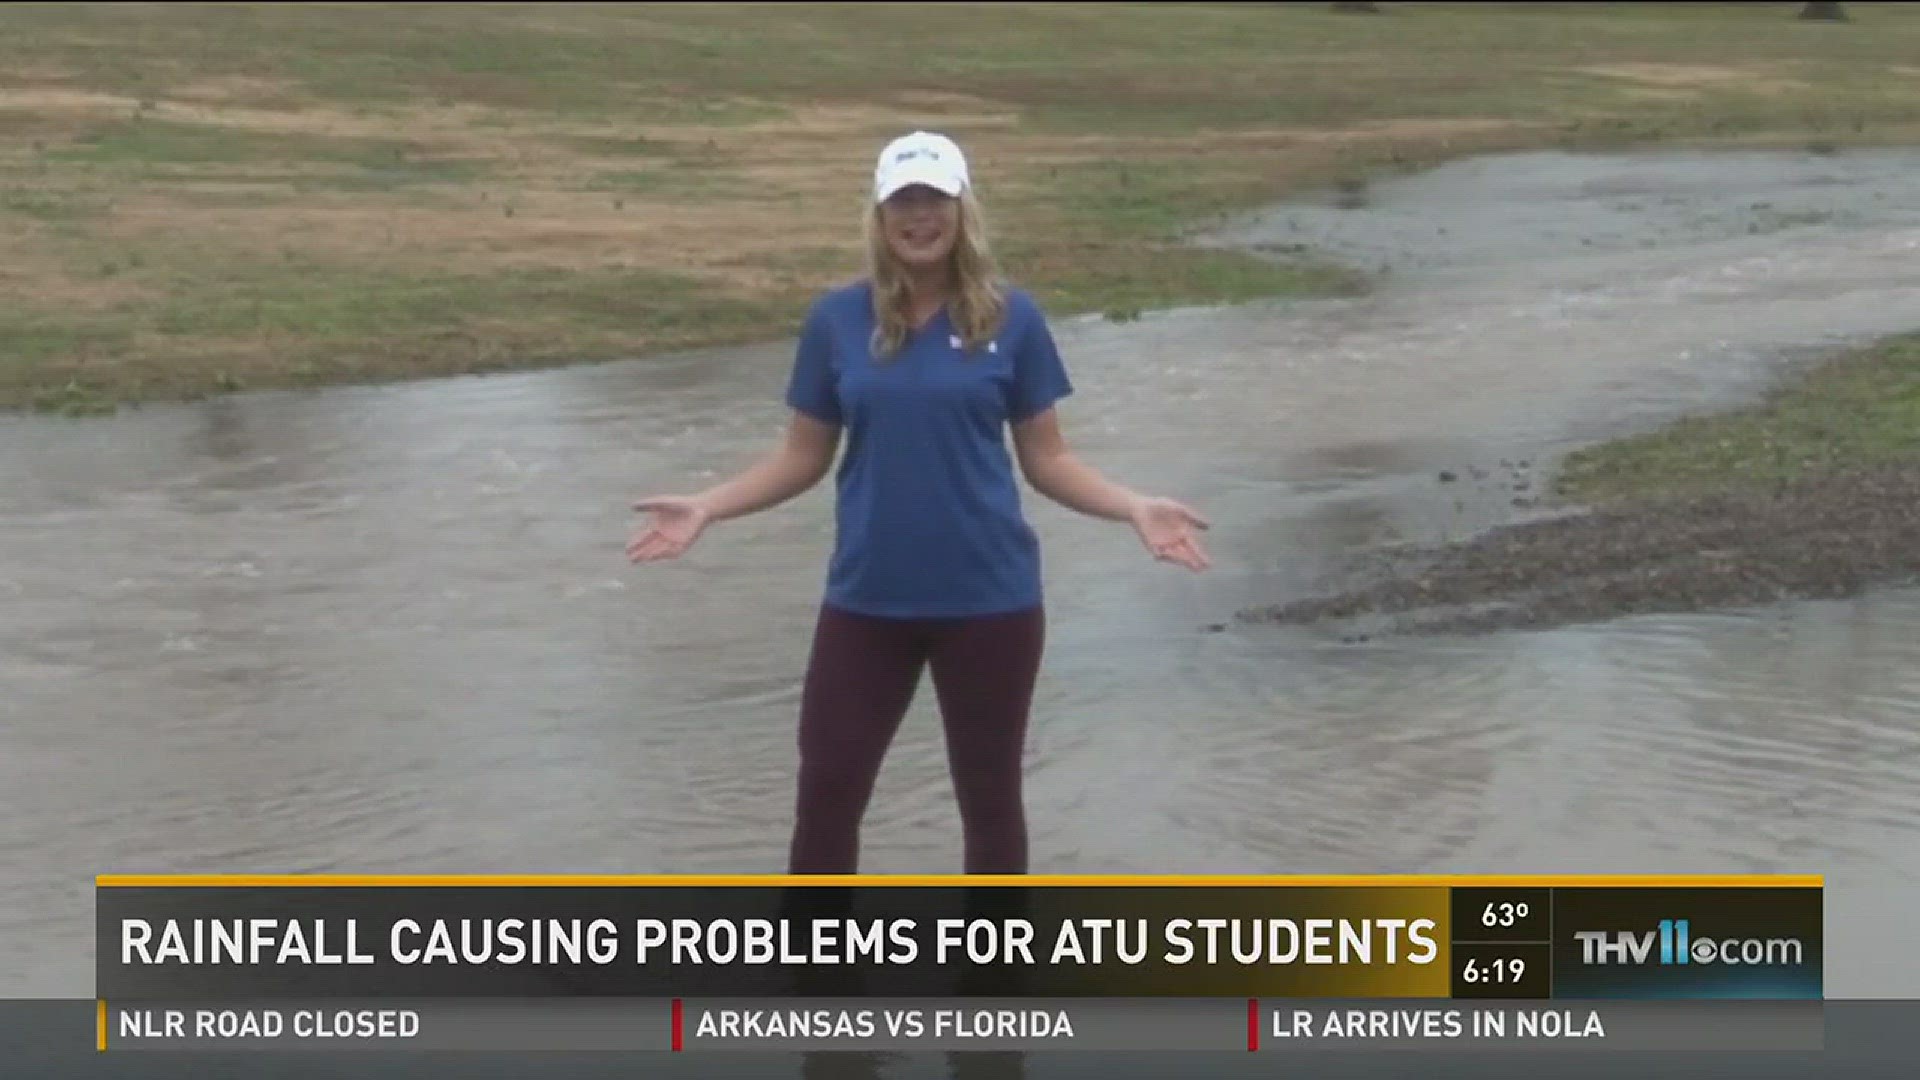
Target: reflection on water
{"points": [[386, 629]]}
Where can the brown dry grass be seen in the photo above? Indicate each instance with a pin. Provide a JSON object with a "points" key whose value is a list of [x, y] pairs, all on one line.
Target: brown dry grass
{"points": [[1690, 76]]}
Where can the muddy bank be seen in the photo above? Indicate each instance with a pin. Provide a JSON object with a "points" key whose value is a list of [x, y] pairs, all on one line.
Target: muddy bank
{"points": [[1685, 498], [1822, 537]]}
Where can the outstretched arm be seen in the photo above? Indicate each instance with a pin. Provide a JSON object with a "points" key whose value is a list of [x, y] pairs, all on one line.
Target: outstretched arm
{"points": [[1054, 471], [1167, 528], [798, 463]]}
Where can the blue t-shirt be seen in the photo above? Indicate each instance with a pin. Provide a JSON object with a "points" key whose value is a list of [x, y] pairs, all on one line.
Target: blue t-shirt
{"points": [[928, 505]]}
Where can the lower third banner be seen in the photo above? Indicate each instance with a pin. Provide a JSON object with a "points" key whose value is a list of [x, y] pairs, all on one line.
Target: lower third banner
{"points": [[1296, 1027], [1261, 965]]}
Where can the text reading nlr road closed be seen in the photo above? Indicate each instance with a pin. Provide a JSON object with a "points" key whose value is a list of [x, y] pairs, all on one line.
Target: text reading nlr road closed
{"points": [[724, 942], [268, 1023]]}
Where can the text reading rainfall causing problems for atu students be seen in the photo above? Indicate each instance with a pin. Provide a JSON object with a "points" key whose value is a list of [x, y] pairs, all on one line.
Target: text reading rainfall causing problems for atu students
{"points": [[266, 941]]}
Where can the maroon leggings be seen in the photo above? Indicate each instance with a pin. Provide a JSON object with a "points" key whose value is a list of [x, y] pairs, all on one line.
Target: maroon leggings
{"points": [[860, 681]]}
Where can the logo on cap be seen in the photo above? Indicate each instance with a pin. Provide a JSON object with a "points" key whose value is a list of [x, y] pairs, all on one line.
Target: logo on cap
{"points": [[920, 158]]}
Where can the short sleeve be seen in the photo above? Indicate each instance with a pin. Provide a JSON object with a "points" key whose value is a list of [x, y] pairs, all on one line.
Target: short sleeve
{"points": [[1039, 375], [810, 389]]}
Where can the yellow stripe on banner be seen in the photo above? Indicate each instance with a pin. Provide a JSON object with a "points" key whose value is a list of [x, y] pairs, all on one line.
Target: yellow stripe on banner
{"points": [[100, 1034], [1535, 881]]}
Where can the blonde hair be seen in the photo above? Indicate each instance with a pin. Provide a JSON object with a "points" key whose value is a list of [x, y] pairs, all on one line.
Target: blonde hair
{"points": [[979, 304]]}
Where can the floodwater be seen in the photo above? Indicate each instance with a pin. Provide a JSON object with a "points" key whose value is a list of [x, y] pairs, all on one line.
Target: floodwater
{"points": [[391, 629]]}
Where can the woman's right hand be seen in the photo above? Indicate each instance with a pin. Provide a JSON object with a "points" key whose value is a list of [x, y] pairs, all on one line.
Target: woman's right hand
{"points": [[677, 522]]}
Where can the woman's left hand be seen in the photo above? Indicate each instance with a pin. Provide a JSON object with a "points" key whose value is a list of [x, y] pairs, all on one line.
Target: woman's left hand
{"points": [[1169, 529]]}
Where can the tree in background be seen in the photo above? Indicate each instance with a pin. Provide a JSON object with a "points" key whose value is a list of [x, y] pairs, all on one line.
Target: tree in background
{"points": [[1818, 12]]}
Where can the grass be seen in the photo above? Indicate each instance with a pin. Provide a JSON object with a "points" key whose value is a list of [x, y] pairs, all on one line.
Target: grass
{"points": [[1861, 409], [198, 198]]}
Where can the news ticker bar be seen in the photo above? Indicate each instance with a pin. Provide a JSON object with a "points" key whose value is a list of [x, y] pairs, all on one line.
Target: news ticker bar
{"points": [[1462, 938], [1272, 1027]]}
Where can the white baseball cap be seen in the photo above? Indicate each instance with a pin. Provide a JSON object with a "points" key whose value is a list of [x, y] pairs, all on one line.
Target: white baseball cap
{"points": [[920, 158]]}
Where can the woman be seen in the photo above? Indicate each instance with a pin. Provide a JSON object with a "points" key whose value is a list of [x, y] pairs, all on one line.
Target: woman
{"points": [[924, 366]]}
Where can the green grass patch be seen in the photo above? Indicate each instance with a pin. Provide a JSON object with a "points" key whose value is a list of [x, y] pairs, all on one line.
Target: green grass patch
{"points": [[1152, 200], [294, 323], [617, 145], [670, 182], [168, 142], [1860, 409], [32, 337], [49, 203], [403, 172], [323, 301], [1123, 287], [162, 149]]}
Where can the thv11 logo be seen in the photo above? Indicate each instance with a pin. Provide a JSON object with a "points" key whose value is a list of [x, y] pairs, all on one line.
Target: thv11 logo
{"points": [[1678, 946]]}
